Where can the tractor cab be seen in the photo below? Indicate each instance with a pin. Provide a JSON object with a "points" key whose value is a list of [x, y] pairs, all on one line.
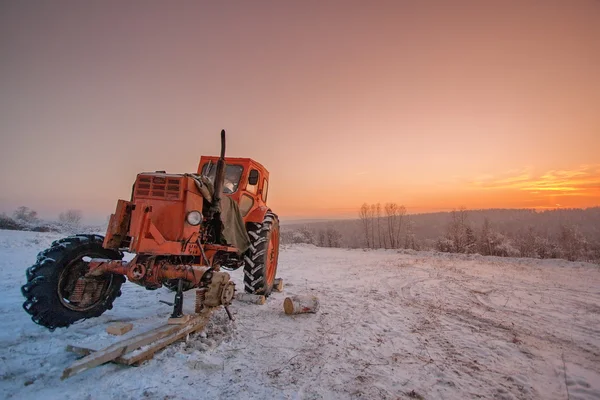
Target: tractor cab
{"points": [[246, 182]]}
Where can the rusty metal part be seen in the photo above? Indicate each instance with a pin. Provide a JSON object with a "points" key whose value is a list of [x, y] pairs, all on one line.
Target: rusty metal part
{"points": [[78, 290], [200, 296], [178, 303], [137, 272], [101, 266], [215, 286], [118, 225], [229, 314], [86, 292], [227, 292], [214, 294], [149, 273]]}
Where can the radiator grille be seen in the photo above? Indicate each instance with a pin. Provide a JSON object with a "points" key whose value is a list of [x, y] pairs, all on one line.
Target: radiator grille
{"points": [[158, 187]]}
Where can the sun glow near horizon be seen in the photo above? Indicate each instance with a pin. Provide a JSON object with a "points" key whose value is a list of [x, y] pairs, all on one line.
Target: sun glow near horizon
{"points": [[575, 188]]}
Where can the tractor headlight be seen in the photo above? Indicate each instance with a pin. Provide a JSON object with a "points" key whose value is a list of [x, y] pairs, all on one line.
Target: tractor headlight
{"points": [[194, 218]]}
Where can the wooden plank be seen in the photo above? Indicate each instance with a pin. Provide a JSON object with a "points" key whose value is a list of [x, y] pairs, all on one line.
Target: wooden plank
{"points": [[118, 349], [184, 319], [142, 354], [119, 328], [101, 339], [82, 351]]}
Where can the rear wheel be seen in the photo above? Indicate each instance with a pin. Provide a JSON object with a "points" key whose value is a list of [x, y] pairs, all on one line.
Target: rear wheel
{"points": [[58, 293], [260, 261]]}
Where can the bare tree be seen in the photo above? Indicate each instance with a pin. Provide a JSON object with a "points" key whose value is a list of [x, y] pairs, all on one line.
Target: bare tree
{"points": [[409, 236], [372, 212], [382, 231], [363, 214], [70, 217], [378, 209], [390, 213], [526, 241], [333, 237], [457, 230], [572, 242], [26, 215], [322, 241], [399, 219], [394, 215], [471, 240], [485, 244], [544, 248]]}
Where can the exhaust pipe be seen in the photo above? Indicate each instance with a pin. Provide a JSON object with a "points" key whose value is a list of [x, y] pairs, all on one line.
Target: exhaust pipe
{"points": [[219, 176], [215, 207]]}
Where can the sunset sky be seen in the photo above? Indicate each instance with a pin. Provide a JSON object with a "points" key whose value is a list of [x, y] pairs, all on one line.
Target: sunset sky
{"points": [[430, 104]]}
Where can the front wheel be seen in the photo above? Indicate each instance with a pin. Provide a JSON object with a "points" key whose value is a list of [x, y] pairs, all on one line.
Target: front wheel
{"points": [[260, 260], [57, 291]]}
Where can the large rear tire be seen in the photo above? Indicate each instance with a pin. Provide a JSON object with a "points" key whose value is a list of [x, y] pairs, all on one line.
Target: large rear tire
{"points": [[260, 261], [56, 292]]}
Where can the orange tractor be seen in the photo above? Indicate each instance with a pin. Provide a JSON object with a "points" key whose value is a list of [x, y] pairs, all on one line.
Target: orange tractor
{"points": [[183, 230]]}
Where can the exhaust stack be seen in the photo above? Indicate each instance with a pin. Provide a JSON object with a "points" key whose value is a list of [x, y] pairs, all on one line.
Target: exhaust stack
{"points": [[215, 207]]}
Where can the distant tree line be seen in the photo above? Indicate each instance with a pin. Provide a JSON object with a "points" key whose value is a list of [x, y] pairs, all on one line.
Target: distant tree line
{"points": [[570, 243], [26, 219], [324, 237], [572, 234]]}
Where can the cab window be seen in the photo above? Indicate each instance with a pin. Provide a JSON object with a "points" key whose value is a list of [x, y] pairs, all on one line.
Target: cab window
{"points": [[265, 190], [233, 173], [253, 179]]}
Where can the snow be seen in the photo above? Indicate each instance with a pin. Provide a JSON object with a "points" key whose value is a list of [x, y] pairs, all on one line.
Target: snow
{"points": [[391, 325]]}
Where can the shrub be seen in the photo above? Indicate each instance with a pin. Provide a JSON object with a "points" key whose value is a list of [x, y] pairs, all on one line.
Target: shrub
{"points": [[7, 222], [70, 217], [25, 215]]}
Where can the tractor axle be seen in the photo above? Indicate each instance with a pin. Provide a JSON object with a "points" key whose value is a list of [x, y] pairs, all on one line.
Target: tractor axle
{"points": [[151, 273], [215, 286]]}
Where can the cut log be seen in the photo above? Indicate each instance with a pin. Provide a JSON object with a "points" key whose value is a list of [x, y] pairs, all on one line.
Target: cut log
{"points": [[250, 298], [278, 285], [300, 305], [119, 328]]}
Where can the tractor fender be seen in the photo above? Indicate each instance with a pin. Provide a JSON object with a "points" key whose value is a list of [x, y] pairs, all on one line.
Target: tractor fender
{"points": [[257, 215]]}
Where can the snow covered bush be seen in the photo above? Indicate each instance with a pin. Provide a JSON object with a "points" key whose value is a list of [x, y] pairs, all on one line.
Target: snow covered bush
{"points": [[25, 215], [8, 223], [70, 217], [506, 249], [444, 245]]}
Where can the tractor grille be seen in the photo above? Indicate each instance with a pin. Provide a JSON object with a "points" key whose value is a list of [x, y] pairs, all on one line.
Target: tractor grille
{"points": [[158, 187]]}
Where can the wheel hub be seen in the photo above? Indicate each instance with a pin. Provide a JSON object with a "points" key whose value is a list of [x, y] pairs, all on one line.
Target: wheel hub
{"points": [[78, 292]]}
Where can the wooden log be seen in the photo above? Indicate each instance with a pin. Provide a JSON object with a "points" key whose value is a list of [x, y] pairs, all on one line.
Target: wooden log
{"points": [[278, 285], [300, 305], [250, 298], [123, 347], [82, 351], [140, 355], [184, 319], [101, 340], [119, 328]]}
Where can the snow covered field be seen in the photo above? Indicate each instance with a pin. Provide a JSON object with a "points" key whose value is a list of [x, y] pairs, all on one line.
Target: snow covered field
{"points": [[391, 325]]}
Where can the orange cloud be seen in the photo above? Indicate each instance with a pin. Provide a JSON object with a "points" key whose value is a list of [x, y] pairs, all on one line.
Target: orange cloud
{"points": [[546, 188]]}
